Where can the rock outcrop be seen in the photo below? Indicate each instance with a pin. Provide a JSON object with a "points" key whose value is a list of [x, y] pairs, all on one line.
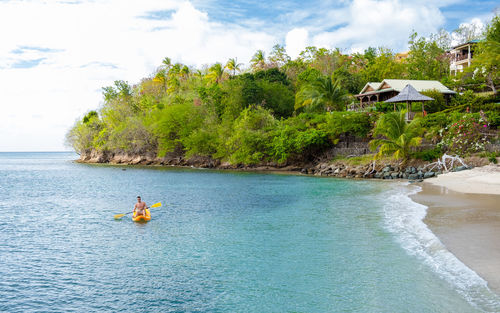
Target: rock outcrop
{"points": [[343, 169]]}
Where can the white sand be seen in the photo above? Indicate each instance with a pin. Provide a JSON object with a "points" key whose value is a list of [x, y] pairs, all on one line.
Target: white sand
{"points": [[482, 180]]}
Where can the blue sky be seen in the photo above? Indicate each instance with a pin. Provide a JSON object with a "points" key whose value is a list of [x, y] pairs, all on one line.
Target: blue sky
{"points": [[57, 55]]}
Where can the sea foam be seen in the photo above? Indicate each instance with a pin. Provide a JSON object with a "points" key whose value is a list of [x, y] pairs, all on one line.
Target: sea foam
{"points": [[404, 218]]}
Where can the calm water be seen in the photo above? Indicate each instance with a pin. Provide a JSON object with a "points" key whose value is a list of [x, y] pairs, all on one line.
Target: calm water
{"points": [[222, 242]]}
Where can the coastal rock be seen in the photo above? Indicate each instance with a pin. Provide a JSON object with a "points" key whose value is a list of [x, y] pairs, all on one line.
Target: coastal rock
{"points": [[387, 169], [413, 177], [378, 175], [429, 174], [459, 168]]}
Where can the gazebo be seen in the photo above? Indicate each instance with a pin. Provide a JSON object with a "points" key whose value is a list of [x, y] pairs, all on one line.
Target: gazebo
{"points": [[409, 95]]}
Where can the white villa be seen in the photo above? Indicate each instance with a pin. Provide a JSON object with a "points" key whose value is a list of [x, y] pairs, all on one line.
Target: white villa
{"points": [[461, 56]]}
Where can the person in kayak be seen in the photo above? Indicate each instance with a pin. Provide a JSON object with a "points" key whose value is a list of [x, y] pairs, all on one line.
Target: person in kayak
{"points": [[140, 207]]}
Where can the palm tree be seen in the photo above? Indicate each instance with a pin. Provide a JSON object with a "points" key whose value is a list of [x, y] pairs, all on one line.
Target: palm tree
{"points": [[167, 63], [322, 93], [258, 60], [233, 65], [400, 136], [215, 73], [184, 72]]}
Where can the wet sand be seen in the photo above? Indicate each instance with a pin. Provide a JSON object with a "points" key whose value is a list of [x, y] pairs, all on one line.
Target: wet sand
{"points": [[468, 224]]}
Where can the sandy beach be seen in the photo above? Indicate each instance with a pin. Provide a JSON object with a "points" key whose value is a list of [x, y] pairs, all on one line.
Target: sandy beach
{"points": [[464, 212]]}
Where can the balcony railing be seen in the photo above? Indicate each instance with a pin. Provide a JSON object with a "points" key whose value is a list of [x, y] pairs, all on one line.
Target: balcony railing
{"points": [[461, 57]]}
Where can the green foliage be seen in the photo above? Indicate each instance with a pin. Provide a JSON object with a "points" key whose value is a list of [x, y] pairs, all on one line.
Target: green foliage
{"points": [[278, 98], [492, 156], [279, 110], [250, 137], [399, 136], [429, 155], [250, 91], [426, 59], [436, 105], [383, 66], [464, 136], [388, 107], [273, 75], [467, 99], [493, 118], [89, 117], [121, 90], [203, 140], [212, 97], [175, 125], [355, 123], [324, 93], [278, 56], [298, 136], [435, 120], [486, 61]]}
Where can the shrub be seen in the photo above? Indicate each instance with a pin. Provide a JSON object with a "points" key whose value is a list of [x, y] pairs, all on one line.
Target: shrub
{"points": [[298, 136], [251, 135], [493, 118], [354, 123], [464, 136], [429, 154], [436, 105], [435, 120], [388, 107]]}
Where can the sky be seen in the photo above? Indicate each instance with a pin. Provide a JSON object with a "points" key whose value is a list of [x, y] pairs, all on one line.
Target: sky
{"points": [[56, 55]]}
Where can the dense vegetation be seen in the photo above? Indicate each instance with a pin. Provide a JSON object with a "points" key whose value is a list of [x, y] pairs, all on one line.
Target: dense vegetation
{"points": [[282, 110]]}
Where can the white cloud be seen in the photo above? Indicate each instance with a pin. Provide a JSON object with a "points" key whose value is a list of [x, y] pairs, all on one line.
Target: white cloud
{"points": [[385, 23], [296, 40], [56, 55], [84, 46], [467, 30]]}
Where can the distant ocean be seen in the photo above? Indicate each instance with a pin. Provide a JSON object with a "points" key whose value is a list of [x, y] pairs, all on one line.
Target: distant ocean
{"points": [[222, 242]]}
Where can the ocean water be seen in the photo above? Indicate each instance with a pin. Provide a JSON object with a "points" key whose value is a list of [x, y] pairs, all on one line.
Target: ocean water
{"points": [[221, 242]]}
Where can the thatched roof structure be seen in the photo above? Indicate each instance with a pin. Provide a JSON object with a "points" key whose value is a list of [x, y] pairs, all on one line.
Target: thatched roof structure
{"points": [[409, 94]]}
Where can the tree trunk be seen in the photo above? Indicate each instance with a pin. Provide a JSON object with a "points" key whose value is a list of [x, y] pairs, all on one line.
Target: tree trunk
{"points": [[491, 84]]}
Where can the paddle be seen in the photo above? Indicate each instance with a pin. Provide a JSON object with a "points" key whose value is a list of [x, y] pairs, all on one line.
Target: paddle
{"points": [[119, 216]]}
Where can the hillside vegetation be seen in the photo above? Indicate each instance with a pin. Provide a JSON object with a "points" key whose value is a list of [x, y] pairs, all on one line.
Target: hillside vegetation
{"points": [[283, 111]]}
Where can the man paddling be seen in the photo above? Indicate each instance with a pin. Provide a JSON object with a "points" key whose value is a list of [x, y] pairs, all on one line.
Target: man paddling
{"points": [[140, 207]]}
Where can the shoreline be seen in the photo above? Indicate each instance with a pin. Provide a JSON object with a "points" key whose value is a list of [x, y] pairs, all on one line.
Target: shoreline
{"points": [[463, 211], [415, 170]]}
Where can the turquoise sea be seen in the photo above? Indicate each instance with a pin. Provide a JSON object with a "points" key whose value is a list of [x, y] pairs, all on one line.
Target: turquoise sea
{"points": [[222, 242]]}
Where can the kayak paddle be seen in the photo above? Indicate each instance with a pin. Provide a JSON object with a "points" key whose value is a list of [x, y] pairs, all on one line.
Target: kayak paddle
{"points": [[119, 216]]}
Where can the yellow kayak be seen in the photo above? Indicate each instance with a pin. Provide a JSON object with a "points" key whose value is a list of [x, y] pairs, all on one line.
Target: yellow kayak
{"points": [[142, 218]]}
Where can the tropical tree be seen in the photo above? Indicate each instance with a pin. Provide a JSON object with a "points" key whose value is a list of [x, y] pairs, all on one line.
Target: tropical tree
{"points": [[323, 92], [278, 56], [167, 63], [379, 66], [486, 62], [467, 32], [399, 136], [426, 60], [215, 73], [233, 65], [258, 61]]}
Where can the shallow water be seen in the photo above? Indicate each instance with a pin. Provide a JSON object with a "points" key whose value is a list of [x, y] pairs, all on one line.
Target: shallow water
{"points": [[222, 242]]}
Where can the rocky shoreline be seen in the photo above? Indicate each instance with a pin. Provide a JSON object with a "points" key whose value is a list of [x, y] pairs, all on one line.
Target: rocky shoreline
{"points": [[413, 171]]}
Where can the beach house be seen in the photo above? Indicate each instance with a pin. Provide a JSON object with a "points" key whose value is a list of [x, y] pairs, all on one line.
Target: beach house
{"points": [[461, 56], [374, 92]]}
